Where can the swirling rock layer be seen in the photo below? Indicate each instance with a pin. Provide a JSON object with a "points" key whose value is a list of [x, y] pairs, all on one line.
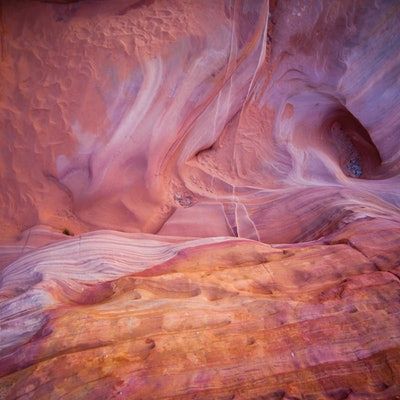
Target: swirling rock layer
{"points": [[108, 315], [200, 200]]}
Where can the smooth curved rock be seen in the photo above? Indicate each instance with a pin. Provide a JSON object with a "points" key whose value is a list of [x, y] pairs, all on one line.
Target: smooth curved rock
{"points": [[200, 199]]}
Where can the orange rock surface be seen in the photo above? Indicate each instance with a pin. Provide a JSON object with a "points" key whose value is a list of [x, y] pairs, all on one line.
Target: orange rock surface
{"points": [[200, 199]]}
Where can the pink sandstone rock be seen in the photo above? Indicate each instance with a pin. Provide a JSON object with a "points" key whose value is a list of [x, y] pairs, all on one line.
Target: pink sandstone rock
{"points": [[200, 199]]}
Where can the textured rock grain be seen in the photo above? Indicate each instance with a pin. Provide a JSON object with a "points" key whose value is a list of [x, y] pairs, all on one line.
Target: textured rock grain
{"points": [[200, 200]]}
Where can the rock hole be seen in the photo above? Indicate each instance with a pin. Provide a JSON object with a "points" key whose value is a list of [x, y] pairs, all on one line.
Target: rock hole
{"points": [[67, 232], [352, 146]]}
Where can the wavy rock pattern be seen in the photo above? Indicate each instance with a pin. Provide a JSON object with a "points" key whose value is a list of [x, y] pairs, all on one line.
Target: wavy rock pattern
{"points": [[200, 200]]}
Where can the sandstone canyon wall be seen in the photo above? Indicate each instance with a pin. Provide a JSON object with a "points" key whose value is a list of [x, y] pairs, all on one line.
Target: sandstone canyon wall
{"points": [[199, 199]]}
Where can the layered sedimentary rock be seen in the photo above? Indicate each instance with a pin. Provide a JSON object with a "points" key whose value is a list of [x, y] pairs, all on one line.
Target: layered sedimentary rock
{"points": [[200, 200]]}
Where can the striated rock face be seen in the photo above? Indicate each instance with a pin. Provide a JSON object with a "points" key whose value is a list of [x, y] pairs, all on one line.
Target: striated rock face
{"points": [[109, 315], [200, 199]]}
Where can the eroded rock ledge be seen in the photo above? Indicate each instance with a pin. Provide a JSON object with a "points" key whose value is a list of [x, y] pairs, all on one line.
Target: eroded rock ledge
{"points": [[200, 200]]}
